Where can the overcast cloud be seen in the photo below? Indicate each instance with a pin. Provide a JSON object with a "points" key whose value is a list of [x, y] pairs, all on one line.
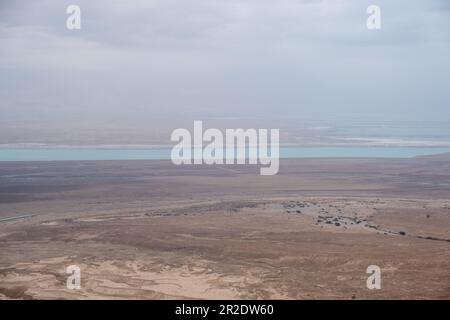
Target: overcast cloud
{"points": [[137, 60]]}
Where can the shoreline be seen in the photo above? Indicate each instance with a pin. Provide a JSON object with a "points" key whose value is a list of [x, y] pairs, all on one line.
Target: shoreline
{"points": [[95, 154]]}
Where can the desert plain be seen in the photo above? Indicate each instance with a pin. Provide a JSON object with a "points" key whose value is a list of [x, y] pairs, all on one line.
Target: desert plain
{"points": [[152, 230]]}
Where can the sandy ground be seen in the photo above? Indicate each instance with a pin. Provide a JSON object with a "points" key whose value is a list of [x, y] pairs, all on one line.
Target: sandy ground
{"points": [[150, 230]]}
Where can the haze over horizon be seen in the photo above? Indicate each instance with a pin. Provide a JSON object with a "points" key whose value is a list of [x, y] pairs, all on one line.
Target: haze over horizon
{"points": [[161, 63]]}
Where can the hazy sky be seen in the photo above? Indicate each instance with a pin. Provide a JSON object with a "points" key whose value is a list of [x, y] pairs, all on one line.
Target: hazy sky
{"points": [[137, 60]]}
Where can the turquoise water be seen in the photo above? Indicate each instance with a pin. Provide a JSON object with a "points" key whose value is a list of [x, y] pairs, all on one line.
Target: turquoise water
{"points": [[60, 154]]}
